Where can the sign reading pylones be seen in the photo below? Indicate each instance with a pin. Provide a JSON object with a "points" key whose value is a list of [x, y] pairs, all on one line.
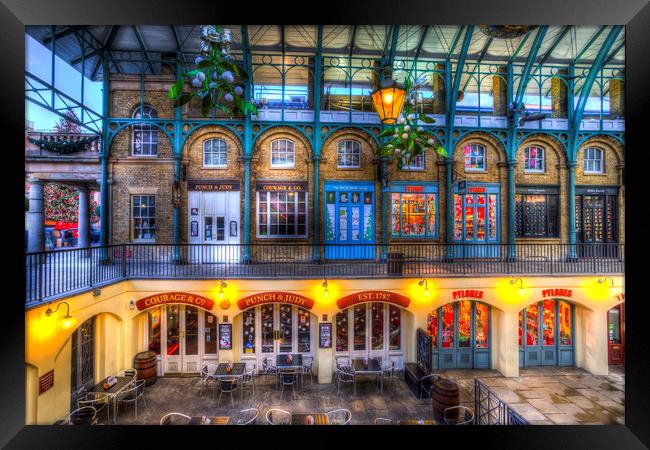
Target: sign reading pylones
{"points": [[275, 297]]}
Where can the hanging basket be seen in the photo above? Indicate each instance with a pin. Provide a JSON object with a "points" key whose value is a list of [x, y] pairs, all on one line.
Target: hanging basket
{"points": [[506, 31]]}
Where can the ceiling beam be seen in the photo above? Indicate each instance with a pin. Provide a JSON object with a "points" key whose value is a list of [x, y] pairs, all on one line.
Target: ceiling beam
{"points": [[478, 61], [60, 34], [459, 31], [143, 46], [451, 107], [519, 47], [177, 38], [553, 46], [588, 44], [353, 38], [613, 53], [110, 37], [526, 72]]}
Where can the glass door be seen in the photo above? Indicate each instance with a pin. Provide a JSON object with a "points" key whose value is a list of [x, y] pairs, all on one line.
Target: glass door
{"points": [[462, 335], [282, 329], [190, 338], [546, 334], [616, 335]]}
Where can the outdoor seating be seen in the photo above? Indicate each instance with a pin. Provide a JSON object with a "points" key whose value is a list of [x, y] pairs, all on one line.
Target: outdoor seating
{"points": [[269, 370], [252, 413], [343, 361], [289, 377], [307, 369], [227, 385], [86, 415], [133, 373], [345, 375], [387, 369], [131, 396], [275, 416], [249, 377], [169, 419], [208, 380], [458, 415], [98, 401], [383, 421], [426, 382], [339, 416]]}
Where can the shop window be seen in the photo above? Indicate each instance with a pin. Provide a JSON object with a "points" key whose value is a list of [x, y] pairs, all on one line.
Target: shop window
{"points": [[267, 328], [416, 163], [548, 324], [143, 219], [248, 330], [304, 331], [432, 327], [377, 326], [521, 318], [281, 214], [474, 158], [349, 155], [565, 323], [447, 325], [482, 325], [173, 328], [614, 325], [464, 323], [209, 334], [342, 331], [594, 160], [394, 328], [413, 215], [282, 154], [144, 135], [359, 322], [536, 215], [215, 153], [191, 330], [534, 159], [532, 321], [153, 321], [286, 329]]}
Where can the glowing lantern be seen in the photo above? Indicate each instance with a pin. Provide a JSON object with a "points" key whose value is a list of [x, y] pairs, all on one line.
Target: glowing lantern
{"points": [[388, 100]]}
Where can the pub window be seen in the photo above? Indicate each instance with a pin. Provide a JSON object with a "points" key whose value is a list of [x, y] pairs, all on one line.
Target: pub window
{"points": [[474, 157], [416, 163], [145, 135], [282, 154], [143, 219], [210, 334], [594, 161], [304, 331], [282, 214], [432, 327], [534, 159], [394, 328], [413, 215], [215, 153], [342, 331], [536, 215], [377, 326], [154, 330], [359, 321], [248, 331], [349, 155]]}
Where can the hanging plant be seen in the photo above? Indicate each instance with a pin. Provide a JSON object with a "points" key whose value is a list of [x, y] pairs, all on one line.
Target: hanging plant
{"points": [[217, 80], [408, 139], [65, 146]]}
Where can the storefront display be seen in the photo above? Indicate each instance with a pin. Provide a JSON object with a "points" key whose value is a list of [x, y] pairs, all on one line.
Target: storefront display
{"points": [[549, 334], [537, 211], [414, 210], [616, 335], [476, 218], [282, 209], [597, 219], [225, 336]]}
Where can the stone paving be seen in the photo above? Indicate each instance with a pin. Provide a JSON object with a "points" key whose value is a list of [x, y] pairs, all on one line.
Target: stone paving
{"points": [[544, 396]]}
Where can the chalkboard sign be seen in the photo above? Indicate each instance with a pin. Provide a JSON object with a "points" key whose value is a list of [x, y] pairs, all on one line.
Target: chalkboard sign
{"points": [[225, 336], [325, 335], [424, 348]]}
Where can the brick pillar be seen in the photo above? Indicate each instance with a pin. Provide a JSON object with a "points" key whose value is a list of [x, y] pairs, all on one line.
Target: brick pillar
{"points": [[83, 220], [560, 95], [439, 91], [616, 98], [35, 217], [500, 91]]}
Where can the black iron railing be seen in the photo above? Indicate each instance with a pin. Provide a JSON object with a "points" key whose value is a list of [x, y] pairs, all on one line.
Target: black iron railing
{"points": [[491, 410], [55, 273]]}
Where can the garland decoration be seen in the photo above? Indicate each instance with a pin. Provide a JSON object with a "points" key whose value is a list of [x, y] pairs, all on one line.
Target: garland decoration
{"points": [[64, 147], [217, 80]]}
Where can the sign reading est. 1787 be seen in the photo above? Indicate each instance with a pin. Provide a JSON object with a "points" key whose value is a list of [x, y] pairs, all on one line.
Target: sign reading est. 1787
{"points": [[175, 297], [373, 296]]}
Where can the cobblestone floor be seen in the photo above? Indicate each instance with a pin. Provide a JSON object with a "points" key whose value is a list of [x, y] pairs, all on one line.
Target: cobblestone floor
{"points": [[544, 396]]}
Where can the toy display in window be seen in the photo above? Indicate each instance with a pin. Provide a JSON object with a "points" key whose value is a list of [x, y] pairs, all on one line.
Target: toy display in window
{"points": [[458, 217], [355, 197], [521, 318], [532, 320], [432, 326], [448, 325], [565, 323], [548, 324], [492, 215], [482, 325], [464, 323]]}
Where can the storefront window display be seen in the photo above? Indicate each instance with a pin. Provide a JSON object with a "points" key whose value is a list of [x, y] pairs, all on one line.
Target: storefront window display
{"points": [[414, 210], [360, 327], [248, 319], [304, 330], [549, 334], [377, 327], [448, 325], [394, 328], [432, 327], [209, 334], [464, 323], [342, 331], [482, 325]]}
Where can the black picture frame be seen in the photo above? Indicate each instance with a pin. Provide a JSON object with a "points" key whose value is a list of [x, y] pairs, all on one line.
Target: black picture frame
{"points": [[325, 335], [225, 331]]}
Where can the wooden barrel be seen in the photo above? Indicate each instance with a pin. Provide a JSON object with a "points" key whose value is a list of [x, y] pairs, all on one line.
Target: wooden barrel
{"points": [[444, 394], [146, 365]]}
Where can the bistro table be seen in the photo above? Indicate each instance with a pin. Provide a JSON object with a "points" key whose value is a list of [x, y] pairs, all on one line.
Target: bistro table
{"points": [[122, 384], [282, 362], [372, 367], [214, 420], [301, 419], [237, 371]]}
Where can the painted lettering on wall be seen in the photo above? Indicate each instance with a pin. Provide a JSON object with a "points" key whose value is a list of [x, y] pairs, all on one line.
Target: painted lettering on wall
{"points": [[556, 293], [467, 293], [212, 186], [275, 297], [175, 297], [373, 296], [414, 188]]}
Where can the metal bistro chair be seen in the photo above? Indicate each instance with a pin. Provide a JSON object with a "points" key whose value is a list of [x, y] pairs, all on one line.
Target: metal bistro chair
{"points": [[86, 415], [430, 380], [168, 419], [339, 416], [345, 375], [458, 415], [131, 396], [270, 370], [275, 416], [383, 421], [208, 378], [387, 370], [289, 377], [251, 420], [97, 400], [249, 377], [228, 385], [307, 369], [133, 373]]}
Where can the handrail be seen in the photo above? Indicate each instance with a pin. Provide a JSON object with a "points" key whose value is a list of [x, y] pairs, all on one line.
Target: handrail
{"points": [[491, 410]]}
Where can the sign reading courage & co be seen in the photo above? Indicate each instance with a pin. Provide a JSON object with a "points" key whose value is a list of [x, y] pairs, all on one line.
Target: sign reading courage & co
{"points": [[175, 297]]}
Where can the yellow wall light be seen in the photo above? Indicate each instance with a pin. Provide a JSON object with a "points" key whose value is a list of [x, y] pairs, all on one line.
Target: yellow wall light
{"points": [[67, 321]]}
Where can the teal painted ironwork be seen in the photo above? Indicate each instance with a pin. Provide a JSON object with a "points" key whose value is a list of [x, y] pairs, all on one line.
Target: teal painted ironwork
{"points": [[177, 150], [317, 144], [248, 145], [104, 154]]}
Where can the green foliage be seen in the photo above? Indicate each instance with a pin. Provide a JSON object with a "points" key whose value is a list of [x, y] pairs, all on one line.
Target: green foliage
{"points": [[64, 147]]}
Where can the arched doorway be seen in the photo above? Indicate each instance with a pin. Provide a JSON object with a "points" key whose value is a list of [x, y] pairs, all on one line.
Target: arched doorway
{"points": [[82, 370], [461, 335], [546, 334]]}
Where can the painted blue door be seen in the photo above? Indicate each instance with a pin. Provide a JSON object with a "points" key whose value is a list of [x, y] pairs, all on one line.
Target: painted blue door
{"points": [[476, 221], [463, 336], [547, 334], [349, 220]]}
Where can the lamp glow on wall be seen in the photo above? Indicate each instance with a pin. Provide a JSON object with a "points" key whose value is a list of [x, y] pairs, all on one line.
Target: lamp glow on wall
{"points": [[224, 303], [388, 100], [67, 321], [521, 291], [612, 289], [326, 292], [426, 291]]}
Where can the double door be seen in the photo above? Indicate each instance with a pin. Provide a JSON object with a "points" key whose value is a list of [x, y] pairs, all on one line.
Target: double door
{"points": [[476, 218], [546, 334], [596, 223], [214, 223]]}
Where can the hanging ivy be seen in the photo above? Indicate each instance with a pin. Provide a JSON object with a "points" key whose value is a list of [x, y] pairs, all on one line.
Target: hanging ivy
{"points": [[218, 81], [64, 147]]}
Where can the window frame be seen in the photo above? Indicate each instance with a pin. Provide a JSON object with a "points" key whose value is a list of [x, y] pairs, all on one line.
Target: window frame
{"points": [[293, 150], [527, 157], [268, 216], [132, 227], [426, 235], [347, 152], [148, 112], [484, 157], [212, 153], [601, 152], [412, 168]]}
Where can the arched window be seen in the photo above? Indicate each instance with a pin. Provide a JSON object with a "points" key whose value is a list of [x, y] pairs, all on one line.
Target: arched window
{"points": [[282, 153], [474, 158], [145, 136], [349, 155], [594, 160], [534, 159], [215, 153]]}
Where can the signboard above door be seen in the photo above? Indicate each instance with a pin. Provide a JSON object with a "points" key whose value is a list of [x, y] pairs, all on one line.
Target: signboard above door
{"points": [[275, 297], [174, 297], [373, 296], [213, 185]]}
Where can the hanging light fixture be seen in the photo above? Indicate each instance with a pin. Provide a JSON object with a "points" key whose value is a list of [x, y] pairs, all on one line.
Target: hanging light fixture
{"points": [[388, 100], [423, 282], [65, 322], [224, 303], [326, 293], [521, 290], [612, 288]]}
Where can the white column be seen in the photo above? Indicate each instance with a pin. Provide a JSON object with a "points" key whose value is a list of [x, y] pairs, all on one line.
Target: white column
{"points": [[83, 221], [35, 217], [595, 343], [507, 342]]}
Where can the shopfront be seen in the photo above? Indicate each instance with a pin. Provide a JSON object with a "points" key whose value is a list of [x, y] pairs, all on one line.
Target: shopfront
{"points": [[213, 209], [414, 210], [349, 219], [370, 324], [597, 220], [181, 329], [476, 220], [460, 332], [546, 331], [616, 335]]}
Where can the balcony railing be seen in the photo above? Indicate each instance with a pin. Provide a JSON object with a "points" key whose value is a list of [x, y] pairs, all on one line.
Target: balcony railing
{"points": [[491, 410], [56, 273]]}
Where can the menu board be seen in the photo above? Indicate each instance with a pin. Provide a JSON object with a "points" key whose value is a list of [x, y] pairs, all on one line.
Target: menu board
{"points": [[325, 335], [225, 336], [424, 350]]}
